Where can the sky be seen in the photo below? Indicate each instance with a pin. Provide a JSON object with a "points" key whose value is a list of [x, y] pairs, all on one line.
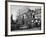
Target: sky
{"points": [[15, 9]]}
